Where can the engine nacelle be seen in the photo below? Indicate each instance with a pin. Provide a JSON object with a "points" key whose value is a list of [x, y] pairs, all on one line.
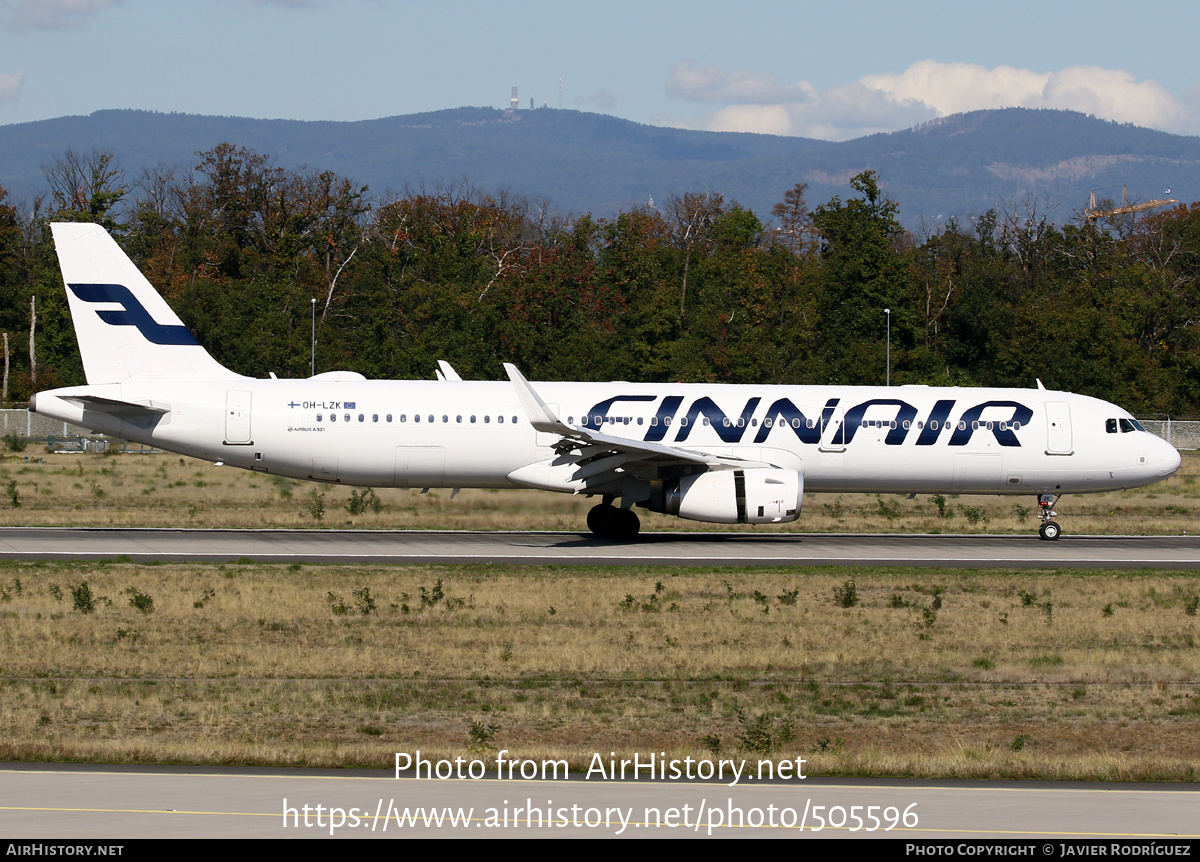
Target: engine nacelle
{"points": [[757, 496]]}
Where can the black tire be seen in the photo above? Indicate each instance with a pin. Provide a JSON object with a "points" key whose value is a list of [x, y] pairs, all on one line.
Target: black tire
{"points": [[625, 525], [1050, 531], [600, 519]]}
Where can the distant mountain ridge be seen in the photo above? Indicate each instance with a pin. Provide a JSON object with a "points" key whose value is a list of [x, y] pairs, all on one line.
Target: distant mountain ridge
{"points": [[582, 162]]}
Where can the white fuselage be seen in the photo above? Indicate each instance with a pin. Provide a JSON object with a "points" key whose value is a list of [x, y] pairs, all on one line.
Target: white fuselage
{"points": [[902, 439]]}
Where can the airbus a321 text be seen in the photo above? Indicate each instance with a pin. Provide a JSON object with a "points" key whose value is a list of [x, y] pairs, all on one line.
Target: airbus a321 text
{"points": [[724, 454]]}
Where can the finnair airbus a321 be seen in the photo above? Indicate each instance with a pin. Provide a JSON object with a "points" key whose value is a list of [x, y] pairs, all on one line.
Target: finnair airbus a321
{"points": [[719, 453]]}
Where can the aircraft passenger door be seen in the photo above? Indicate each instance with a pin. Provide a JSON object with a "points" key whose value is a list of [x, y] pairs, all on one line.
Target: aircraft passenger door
{"points": [[237, 417], [1058, 428], [833, 430]]}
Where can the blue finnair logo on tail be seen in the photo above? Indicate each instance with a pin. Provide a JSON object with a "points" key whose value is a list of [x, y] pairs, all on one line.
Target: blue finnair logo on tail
{"points": [[132, 315]]}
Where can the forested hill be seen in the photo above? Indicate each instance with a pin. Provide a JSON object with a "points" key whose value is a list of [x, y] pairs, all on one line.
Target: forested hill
{"points": [[252, 255], [959, 166]]}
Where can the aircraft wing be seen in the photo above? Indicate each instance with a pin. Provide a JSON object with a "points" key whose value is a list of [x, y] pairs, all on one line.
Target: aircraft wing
{"points": [[604, 459]]}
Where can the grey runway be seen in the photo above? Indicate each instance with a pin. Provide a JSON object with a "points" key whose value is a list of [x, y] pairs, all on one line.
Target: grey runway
{"points": [[563, 548], [116, 803]]}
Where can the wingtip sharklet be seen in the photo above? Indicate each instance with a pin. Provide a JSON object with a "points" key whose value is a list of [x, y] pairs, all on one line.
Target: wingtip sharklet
{"points": [[540, 415]]}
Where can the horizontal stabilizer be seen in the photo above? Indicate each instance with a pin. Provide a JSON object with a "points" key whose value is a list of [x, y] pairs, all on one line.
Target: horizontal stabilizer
{"points": [[118, 408]]}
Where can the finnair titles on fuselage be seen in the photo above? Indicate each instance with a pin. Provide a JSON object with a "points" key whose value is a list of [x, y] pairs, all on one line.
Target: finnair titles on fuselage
{"points": [[717, 453]]}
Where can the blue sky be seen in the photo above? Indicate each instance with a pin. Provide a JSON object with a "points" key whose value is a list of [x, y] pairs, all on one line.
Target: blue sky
{"points": [[828, 70]]}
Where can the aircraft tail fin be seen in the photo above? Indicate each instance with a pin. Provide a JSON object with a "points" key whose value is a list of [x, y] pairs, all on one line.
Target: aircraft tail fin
{"points": [[125, 329]]}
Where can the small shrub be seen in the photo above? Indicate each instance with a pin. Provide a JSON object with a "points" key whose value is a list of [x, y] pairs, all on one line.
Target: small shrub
{"points": [[316, 506], [788, 597], [139, 600], [361, 502], [13, 497], [363, 600], [846, 595], [337, 603], [482, 735], [429, 598], [81, 595], [15, 442], [973, 514], [1192, 606], [756, 734]]}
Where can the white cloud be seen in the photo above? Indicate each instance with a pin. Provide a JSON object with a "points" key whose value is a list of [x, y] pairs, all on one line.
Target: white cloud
{"points": [[1113, 94], [10, 84], [712, 84], [923, 91], [51, 14]]}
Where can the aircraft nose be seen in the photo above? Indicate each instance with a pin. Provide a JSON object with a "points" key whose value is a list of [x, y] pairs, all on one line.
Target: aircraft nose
{"points": [[1169, 459]]}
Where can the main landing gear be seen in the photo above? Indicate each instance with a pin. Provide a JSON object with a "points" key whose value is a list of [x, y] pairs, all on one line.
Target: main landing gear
{"points": [[1049, 530], [612, 523]]}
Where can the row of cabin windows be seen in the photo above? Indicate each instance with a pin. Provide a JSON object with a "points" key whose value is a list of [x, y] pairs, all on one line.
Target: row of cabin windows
{"points": [[1110, 425], [1125, 425], [403, 417], [809, 423]]}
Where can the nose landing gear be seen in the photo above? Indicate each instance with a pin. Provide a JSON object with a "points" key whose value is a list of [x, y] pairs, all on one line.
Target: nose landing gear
{"points": [[1049, 529]]}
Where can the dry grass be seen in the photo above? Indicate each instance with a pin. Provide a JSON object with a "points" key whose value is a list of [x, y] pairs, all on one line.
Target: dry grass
{"points": [[169, 491], [947, 673]]}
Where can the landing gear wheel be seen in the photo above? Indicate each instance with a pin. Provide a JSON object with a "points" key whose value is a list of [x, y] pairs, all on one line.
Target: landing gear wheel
{"points": [[625, 525], [1049, 531], [599, 519], [613, 523]]}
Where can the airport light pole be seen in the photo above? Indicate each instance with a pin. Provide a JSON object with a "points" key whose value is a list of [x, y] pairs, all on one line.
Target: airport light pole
{"points": [[888, 377], [313, 361]]}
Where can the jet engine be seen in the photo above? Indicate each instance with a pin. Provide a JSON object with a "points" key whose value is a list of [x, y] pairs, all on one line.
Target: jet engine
{"points": [[755, 496]]}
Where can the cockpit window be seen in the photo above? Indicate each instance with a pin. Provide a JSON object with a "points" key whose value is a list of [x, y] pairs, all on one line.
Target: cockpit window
{"points": [[1128, 425], [1110, 425]]}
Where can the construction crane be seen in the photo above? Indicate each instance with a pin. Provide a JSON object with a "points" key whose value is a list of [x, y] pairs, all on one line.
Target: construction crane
{"points": [[1091, 213]]}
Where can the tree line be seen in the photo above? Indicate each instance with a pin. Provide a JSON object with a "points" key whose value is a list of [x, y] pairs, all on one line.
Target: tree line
{"points": [[252, 256]]}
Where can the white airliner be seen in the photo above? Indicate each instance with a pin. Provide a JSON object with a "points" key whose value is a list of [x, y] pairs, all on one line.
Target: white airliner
{"points": [[718, 453]]}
